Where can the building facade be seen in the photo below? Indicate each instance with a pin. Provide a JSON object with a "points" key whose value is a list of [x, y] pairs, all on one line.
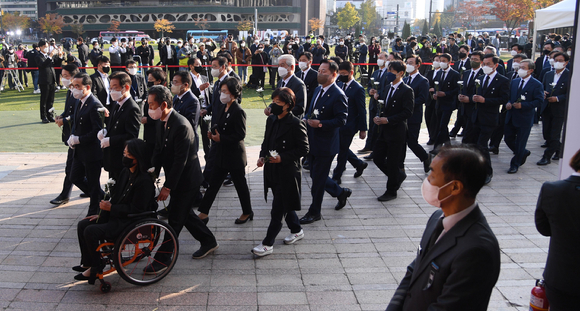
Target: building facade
{"points": [[25, 7]]}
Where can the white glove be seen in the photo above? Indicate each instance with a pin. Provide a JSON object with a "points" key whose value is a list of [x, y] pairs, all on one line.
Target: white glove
{"points": [[72, 140], [101, 134], [105, 142]]}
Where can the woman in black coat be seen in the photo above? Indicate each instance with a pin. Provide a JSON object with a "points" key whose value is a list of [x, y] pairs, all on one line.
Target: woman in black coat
{"points": [[285, 142], [132, 193], [228, 135]]}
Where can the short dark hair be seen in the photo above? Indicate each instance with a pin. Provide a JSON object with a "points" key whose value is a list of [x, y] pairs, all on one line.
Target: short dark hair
{"points": [[575, 161], [478, 53], [446, 56], [113, 39], [161, 94], [158, 74], [465, 164], [346, 65], [337, 60], [80, 39], [307, 54], [139, 150], [566, 56], [550, 44], [521, 56], [191, 61], [396, 55], [519, 47], [332, 65], [102, 59], [234, 87], [465, 47], [42, 42], [222, 61], [85, 78], [184, 76], [130, 62], [71, 68], [494, 58], [418, 60], [123, 78], [398, 66], [286, 95]]}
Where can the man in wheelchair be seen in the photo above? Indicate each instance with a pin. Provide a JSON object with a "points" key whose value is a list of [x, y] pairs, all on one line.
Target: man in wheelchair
{"points": [[133, 193]]}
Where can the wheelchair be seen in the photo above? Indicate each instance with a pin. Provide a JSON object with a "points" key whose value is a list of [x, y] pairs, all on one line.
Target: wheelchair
{"points": [[135, 249]]}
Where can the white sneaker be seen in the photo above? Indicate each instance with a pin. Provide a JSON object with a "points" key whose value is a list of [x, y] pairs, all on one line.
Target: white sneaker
{"points": [[36, 92], [294, 237], [262, 250]]}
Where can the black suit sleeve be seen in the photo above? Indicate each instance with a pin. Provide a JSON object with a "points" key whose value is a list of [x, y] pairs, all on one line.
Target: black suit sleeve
{"points": [[300, 98], [91, 136], [359, 101], [143, 191], [238, 129], [181, 144], [542, 221], [407, 107]]}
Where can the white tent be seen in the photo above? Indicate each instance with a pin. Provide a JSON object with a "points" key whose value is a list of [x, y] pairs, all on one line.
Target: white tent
{"points": [[558, 15]]}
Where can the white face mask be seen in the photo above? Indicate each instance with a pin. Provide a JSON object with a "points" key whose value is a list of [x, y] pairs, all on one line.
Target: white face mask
{"points": [[522, 73], [225, 98], [380, 62], [155, 114], [430, 193], [436, 64], [243, 44], [341, 43], [132, 71], [116, 95], [516, 66], [45, 50], [551, 61], [559, 65], [65, 82], [487, 70], [256, 42], [303, 65], [175, 89], [410, 68], [179, 45], [78, 94], [514, 53], [282, 72], [443, 65], [215, 72], [569, 53]]}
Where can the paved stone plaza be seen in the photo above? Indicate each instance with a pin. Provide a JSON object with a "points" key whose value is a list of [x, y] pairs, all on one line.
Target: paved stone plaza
{"points": [[353, 259]]}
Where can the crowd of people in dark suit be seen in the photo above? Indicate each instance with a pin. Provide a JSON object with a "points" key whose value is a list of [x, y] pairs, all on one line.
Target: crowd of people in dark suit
{"points": [[314, 117]]}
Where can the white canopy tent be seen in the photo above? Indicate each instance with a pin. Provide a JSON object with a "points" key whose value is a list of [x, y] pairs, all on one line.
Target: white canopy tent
{"points": [[558, 15]]}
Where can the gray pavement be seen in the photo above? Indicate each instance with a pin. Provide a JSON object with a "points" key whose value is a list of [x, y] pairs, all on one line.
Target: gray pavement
{"points": [[353, 259]]}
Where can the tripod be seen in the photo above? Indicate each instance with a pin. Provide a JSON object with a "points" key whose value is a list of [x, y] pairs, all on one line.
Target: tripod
{"points": [[12, 74]]}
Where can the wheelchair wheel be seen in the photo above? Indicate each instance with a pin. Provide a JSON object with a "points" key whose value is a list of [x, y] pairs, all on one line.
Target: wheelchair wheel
{"points": [[138, 247]]}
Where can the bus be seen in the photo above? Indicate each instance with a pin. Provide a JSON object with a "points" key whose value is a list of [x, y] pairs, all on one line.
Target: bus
{"points": [[138, 35], [217, 35]]}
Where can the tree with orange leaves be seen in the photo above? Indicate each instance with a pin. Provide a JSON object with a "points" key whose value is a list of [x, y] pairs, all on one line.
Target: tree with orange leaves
{"points": [[51, 23], [315, 24], [471, 13], [515, 12], [114, 26]]}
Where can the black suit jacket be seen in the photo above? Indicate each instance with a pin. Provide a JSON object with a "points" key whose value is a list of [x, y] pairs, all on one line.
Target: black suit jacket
{"points": [[557, 216], [70, 105], [299, 89], [463, 267], [560, 90], [420, 86], [450, 87], [230, 150], [208, 92], [87, 123], [469, 90], [311, 82], [46, 73], [397, 110], [83, 54], [467, 64], [540, 65], [496, 95], [356, 120], [99, 90], [175, 153], [164, 56], [123, 125], [139, 89]]}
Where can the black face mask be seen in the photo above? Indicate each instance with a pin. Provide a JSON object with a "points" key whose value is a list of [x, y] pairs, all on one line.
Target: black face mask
{"points": [[276, 109], [150, 84], [462, 55], [546, 52], [128, 162], [106, 69], [343, 78], [198, 69]]}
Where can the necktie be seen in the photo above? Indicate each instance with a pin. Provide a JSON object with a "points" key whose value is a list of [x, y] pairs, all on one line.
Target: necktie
{"points": [[317, 98], [391, 91], [515, 75], [521, 87], [471, 77], [436, 234], [485, 84], [282, 84], [442, 77], [344, 86], [410, 80], [380, 75], [302, 76]]}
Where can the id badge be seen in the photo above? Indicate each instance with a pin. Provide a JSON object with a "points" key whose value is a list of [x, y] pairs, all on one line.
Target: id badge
{"points": [[432, 273]]}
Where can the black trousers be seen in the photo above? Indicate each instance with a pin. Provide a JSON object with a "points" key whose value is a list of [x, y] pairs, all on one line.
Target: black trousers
{"points": [[181, 215], [460, 122], [278, 213], [92, 171], [67, 183], [443, 117], [498, 132], [319, 169], [345, 154], [561, 301], [387, 157], [483, 133], [413, 130], [46, 99], [431, 121], [273, 75], [552, 129], [216, 179], [89, 234], [259, 73]]}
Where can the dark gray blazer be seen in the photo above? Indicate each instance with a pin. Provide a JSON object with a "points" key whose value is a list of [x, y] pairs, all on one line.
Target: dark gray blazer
{"points": [[299, 88]]}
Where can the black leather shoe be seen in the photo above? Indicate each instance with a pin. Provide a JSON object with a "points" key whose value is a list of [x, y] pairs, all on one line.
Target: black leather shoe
{"points": [[239, 221], [543, 161], [544, 145], [364, 151], [91, 278], [494, 150], [342, 198], [59, 201], [306, 165], [369, 157], [430, 142], [488, 179], [79, 268], [45, 121], [460, 134], [360, 169], [155, 267], [205, 220], [427, 163], [402, 177], [228, 182], [526, 156], [387, 197], [556, 157], [452, 135], [512, 170], [84, 195], [50, 119], [308, 219], [204, 251]]}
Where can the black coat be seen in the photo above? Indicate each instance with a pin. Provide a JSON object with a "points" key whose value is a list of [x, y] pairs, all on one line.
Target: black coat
{"points": [[463, 267], [397, 110], [557, 216], [420, 86], [231, 125], [561, 91], [299, 89], [70, 104], [87, 123], [291, 143], [450, 87], [99, 90], [311, 82], [496, 95], [123, 125], [46, 74], [139, 89], [83, 53]]}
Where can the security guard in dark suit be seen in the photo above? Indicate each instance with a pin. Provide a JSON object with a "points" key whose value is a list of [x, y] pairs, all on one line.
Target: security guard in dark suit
{"points": [[446, 90], [308, 76], [101, 86], [46, 80]]}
